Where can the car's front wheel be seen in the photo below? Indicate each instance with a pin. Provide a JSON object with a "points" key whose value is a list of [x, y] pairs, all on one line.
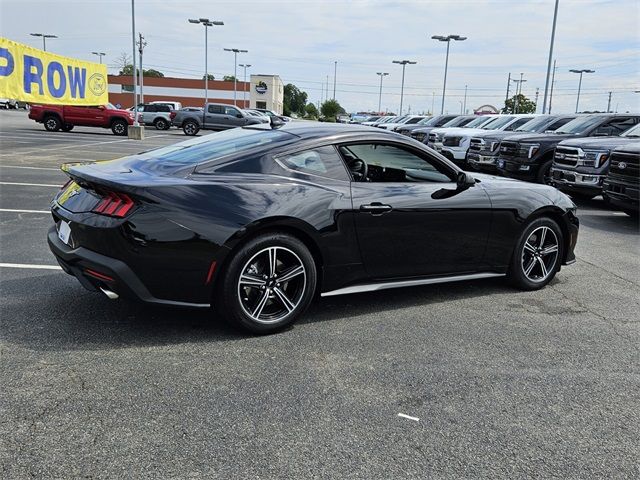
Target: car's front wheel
{"points": [[119, 127], [537, 256], [268, 283]]}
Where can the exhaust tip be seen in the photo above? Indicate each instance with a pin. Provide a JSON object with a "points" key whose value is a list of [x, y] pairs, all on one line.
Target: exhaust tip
{"points": [[110, 295]]}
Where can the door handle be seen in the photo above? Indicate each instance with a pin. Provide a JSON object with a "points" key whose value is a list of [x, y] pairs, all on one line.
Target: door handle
{"points": [[376, 208]]}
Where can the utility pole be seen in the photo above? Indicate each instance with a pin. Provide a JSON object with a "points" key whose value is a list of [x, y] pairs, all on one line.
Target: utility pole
{"points": [[327, 86], [508, 85], [553, 81], [518, 92], [141, 44], [433, 102], [609, 103], [537, 93], [335, 72], [135, 87], [553, 37], [382, 75], [465, 100]]}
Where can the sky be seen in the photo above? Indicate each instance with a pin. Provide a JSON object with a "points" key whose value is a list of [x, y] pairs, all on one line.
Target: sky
{"points": [[300, 41]]}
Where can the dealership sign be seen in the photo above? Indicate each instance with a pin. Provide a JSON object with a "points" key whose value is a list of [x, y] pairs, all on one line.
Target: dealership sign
{"points": [[261, 87], [35, 76]]}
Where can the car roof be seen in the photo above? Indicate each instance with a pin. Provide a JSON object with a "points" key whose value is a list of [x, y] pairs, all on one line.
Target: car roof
{"points": [[312, 130]]}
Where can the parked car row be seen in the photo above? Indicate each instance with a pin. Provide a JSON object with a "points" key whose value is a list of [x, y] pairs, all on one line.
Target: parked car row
{"points": [[575, 153]]}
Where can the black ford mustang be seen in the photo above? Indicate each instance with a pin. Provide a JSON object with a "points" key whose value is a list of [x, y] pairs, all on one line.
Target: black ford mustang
{"points": [[255, 221]]}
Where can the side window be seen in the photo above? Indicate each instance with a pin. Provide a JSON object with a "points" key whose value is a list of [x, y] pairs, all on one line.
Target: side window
{"points": [[231, 111], [215, 109], [150, 108], [559, 123], [323, 161], [615, 126], [390, 163], [517, 123], [163, 108]]}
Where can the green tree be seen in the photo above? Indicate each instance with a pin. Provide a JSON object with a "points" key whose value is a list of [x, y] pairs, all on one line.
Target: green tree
{"points": [[519, 104], [209, 76], [330, 110], [127, 70], [229, 78], [294, 100], [311, 111]]}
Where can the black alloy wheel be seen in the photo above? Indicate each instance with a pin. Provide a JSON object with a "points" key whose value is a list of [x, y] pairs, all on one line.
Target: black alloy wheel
{"points": [[52, 123], [119, 127]]}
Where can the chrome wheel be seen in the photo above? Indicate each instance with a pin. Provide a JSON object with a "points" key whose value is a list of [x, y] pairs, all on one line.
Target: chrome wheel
{"points": [[540, 254], [271, 284]]}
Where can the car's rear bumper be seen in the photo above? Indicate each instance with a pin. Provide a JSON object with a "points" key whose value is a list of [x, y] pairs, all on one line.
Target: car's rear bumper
{"points": [[98, 272]]}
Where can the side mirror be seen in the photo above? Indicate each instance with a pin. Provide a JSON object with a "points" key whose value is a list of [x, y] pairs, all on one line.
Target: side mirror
{"points": [[464, 180]]}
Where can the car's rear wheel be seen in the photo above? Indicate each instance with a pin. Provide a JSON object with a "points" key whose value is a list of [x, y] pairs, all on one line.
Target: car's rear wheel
{"points": [[190, 127], [268, 283], [52, 123], [119, 127], [537, 256], [161, 124]]}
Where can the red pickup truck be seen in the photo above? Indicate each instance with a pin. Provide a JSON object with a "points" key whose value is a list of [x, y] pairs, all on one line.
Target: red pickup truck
{"points": [[65, 117]]}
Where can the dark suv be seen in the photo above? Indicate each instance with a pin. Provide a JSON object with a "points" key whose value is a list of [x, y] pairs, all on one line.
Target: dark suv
{"points": [[580, 165], [622, 184], [530, 157], [484, 148], [421, 130]]}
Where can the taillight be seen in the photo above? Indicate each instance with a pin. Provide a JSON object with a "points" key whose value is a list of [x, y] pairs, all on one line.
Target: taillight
{"points": [[172, 115], [114, 205]]}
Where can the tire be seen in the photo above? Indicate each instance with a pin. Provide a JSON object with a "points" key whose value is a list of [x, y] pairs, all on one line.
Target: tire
{"points": [[544, 174], [67, 127], [119, 127], [525, 270], [52, 123], [190, 127], [262, 305], [160, 124]]}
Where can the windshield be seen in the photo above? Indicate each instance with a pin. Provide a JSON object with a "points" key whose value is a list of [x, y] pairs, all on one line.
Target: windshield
{"points": [[109, 106], [633, 132], [454, 122], [580, 125], [536, 125], [478, 122], [498, 123], [424, 121], [210, 147]]}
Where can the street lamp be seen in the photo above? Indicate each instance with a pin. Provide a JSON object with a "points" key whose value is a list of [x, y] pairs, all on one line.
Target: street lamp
{"points": [[382, 75], [244, 87], [585, 70], [404, 63], [518, 92], [100, 54], [44, 38], [235, 51], [447, 39], [206, 23]]}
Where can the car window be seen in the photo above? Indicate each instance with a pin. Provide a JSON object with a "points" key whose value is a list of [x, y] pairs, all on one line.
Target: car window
{"points": [[390, 163], [615, 126], [323, 161], [215, 109], [517, 123], [231, 111], [559, 123], [163, 108]]}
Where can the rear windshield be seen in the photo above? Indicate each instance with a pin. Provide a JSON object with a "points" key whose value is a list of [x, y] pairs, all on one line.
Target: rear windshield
{"points": [[210, 147]]}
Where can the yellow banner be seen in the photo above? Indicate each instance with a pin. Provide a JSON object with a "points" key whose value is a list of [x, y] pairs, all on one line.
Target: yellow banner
{"points": [[35, 76]]}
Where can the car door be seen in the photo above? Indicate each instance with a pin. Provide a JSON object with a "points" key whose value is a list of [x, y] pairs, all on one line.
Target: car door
{"points": [[233, 117], [96, 116], [213, 117], [411, 218]]}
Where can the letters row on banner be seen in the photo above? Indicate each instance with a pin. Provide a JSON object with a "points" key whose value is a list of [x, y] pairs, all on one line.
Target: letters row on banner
{"points": [[35, 76]]}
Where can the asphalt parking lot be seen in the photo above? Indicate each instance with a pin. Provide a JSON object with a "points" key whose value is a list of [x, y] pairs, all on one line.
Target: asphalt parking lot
{"points": [[490, 382]]}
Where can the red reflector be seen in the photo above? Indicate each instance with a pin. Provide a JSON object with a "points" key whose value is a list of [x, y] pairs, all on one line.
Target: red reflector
{"points": [[98, 275], [212, 269], [114, 205]]}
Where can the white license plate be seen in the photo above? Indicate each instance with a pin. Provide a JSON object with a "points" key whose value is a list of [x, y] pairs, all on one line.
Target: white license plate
{"points": [[500, 163], [64, 232]]}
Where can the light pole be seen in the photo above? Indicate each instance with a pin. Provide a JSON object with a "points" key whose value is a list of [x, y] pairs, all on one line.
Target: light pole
{"points": [[235, 51], [100, 54], [460, 102], [135, 83], [335, 73], [44, 38], [584, 70], [244, 87], [447, 39], [518, 92], [553, 37], [465, 100], [404, 63], [382, 75], [206, 23]]}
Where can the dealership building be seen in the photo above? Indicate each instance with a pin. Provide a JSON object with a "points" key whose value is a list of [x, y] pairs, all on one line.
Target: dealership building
{"points": [[261, 91]]}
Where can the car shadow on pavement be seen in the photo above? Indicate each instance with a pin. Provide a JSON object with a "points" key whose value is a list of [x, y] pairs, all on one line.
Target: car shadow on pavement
{"points": [[598, 215], [62, 316]]}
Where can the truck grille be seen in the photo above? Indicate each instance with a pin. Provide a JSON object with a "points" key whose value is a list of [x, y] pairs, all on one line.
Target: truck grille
{"points": [[625, 166], [433, 137], [476, 145], [509, 149], [418, 136], [567, 156]]}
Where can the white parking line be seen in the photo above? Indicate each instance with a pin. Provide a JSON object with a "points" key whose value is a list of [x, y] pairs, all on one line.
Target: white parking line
{"points": [[30, 168], [13, 210], [30, 266], [415, 419], [68, 146], [32, 184]]}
